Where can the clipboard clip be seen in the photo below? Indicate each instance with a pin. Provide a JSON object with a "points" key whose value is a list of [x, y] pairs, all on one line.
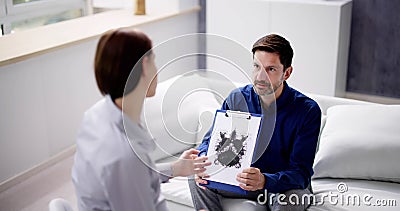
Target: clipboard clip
{"points": [[238, 114]]}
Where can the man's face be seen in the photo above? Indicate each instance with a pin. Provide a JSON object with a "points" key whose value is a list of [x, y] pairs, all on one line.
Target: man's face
{"points": [[268, 73]]}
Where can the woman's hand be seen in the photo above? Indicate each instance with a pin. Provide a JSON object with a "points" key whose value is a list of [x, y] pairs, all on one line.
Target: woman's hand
{"points": [[189, 163]]}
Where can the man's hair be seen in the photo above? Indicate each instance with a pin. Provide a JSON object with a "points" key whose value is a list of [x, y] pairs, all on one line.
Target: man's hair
{"points": [[117, 53], [274, 43]]}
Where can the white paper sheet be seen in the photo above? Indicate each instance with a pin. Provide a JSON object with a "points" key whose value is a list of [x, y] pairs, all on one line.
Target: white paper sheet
{"points": [[231, 146]]}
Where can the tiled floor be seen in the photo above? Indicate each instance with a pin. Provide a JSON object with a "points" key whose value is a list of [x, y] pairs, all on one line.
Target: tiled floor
{"points": [[35, 193]]}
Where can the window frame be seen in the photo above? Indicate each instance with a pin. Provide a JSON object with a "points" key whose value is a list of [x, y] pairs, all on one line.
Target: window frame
{"points": [[3, 14], [42, 6], [2, 9], [10, 13]]}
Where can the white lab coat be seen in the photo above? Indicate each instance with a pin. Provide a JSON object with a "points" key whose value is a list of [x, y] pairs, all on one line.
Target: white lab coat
{"points": [[111, 172]]}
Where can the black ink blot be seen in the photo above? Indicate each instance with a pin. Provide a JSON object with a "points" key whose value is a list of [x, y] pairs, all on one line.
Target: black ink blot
{"points": [[230, 150]]}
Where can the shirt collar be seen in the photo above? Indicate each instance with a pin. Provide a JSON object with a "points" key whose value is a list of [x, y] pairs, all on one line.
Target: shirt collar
{"points": [[114, 112], [138, 134], [285, 97], [282, 101]]}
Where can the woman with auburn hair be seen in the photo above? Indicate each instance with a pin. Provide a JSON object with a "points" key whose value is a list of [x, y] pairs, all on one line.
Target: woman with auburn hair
{"points": [[112, 168]]}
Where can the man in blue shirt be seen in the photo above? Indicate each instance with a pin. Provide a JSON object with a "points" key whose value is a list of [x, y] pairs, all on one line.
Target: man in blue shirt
{"points": [[287, 140]]}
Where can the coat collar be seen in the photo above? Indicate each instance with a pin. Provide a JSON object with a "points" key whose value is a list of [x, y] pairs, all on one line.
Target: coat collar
{"points": [[134, 132]]}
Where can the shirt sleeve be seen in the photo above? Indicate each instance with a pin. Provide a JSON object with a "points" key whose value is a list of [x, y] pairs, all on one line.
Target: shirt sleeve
{"points": [[165, 171], [203, 148], [128, 186], [301, 158]]}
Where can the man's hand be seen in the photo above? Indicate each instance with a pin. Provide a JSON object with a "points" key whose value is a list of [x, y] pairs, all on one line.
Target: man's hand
{"points": [[199, 178], [252, 179], [189, 163]]}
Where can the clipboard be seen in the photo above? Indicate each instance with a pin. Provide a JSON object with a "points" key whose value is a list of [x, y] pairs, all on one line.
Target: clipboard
{"points": [[231, 148]]}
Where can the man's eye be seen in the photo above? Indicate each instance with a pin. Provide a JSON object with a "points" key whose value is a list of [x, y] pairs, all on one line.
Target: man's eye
{"points": [[271, 69], [256, 67]]}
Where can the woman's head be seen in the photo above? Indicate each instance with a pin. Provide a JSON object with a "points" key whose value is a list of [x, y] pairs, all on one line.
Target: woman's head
{"points": [[119, 52]]}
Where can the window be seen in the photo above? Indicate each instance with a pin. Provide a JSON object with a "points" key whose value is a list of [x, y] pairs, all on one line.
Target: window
{"points": [[22, 1], [17, 15]]}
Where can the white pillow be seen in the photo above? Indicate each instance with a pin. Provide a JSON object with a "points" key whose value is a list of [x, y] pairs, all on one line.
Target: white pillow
{"points": [[323, 121], [360, 142], [172, 115]]}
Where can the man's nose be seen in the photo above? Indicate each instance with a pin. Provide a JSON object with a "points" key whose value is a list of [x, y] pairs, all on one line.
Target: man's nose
{"points": [[262, 76]]}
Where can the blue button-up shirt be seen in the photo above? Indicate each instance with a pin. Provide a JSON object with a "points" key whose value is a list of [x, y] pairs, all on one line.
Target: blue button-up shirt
{"points": [[287, 139]]}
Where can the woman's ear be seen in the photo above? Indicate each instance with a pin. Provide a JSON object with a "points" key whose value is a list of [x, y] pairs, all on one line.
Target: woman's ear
{"points": [[287, 73], [145, 62]]}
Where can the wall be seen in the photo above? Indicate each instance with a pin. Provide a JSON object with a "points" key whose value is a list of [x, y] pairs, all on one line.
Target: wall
{"points": [[319, 32], [375, 48], [42, 101], [43, 98]]}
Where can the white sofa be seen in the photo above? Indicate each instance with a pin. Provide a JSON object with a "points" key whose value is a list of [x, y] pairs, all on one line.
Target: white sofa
{"points": [[357, 158]]}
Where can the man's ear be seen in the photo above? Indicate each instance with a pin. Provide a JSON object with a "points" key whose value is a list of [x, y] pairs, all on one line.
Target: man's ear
{"points": [[287, 73]]}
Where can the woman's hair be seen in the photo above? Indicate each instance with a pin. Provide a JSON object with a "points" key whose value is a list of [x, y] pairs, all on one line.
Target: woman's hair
{"points": [[117, 53]]}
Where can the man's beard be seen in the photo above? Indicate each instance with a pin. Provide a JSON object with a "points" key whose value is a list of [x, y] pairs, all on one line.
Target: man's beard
{"points": [[268, 90]]}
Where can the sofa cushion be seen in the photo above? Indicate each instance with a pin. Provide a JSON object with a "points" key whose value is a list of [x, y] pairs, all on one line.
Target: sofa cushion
{"points": [[354, 195], [360, 142], [172, 115], [325, 102], [321, 128], [177, 190]]}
